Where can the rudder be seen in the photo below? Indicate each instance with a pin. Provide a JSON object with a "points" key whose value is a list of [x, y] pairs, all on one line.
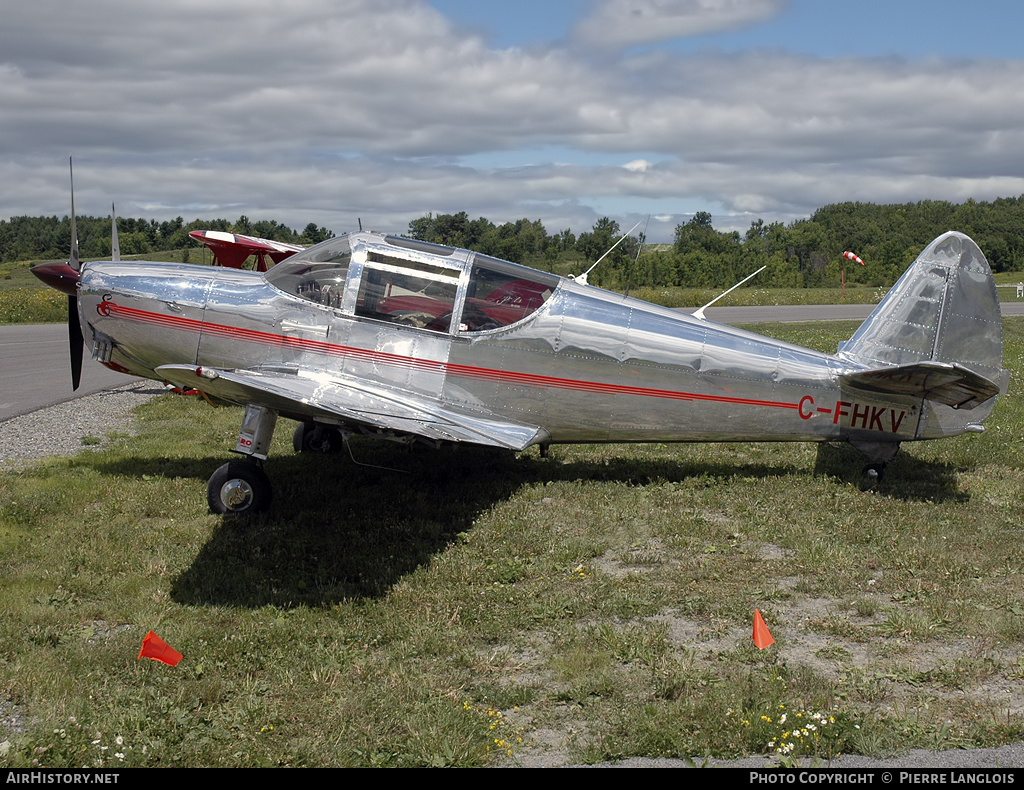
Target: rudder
{"points": [[944, 309]]}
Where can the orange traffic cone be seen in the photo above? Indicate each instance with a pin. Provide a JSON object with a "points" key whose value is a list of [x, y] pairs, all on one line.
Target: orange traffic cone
{"points": [[157, 649], [762, 636]]}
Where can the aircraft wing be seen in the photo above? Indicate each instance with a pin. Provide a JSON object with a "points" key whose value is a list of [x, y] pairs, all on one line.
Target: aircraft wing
{"points": [[304, 395], [231, 249], [951, 384]]}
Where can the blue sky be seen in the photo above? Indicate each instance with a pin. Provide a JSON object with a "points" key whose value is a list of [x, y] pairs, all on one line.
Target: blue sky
{"points": [[864, 28], [564, 111]]}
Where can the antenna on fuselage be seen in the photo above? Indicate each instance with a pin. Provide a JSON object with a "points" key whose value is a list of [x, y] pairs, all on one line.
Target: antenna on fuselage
{"points": [[700, 313], [639, 249], [583, 277]]}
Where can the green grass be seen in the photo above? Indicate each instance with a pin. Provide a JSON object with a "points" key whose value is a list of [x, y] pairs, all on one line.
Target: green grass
{"points": [[479, 608], [754, 296]]}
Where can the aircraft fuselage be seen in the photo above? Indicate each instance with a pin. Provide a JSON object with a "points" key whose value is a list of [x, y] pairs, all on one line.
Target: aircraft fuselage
{"points": [[587, 365]]}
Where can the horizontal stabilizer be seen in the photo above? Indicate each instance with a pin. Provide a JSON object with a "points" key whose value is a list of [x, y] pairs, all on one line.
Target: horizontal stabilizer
{"points": [[948, 383]]}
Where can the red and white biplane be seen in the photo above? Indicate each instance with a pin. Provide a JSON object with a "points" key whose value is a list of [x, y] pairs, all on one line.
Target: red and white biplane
{"points": [[233, 249]]}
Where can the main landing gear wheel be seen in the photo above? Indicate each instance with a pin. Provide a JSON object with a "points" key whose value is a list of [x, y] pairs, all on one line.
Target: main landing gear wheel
{"points": [[239, 488], [309, 437]]}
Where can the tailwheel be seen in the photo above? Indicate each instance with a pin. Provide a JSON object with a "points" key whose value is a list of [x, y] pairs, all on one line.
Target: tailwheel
{"points": [[239, 488], [875, 472]]}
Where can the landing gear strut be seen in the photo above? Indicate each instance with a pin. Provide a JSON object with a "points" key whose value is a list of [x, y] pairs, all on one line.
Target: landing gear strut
{"points": [[242, 488]]}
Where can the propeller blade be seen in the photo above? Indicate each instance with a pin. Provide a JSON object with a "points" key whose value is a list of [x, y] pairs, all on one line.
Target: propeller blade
{"points": [[65, 276], [75, 342], [74, 262]]}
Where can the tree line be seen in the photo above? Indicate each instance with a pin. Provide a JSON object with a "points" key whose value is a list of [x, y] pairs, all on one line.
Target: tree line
{"points": [[38, 238], [804, 253]]}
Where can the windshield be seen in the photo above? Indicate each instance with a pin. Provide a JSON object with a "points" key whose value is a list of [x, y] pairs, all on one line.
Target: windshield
{"points": [[331, 251], [317, 274]]}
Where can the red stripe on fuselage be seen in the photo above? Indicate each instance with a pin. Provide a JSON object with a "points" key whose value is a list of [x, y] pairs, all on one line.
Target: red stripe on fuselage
{"points": [[397, 360]]}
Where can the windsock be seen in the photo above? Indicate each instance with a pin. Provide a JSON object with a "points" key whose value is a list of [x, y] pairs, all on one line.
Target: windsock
{"points": [[851, 257]]}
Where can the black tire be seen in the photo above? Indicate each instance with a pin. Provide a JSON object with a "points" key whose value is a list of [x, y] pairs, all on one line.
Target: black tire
{"points": [[312, 438], [239, 488]]}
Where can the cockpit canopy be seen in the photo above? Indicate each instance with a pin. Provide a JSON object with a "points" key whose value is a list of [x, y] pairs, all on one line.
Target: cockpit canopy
{"points": [[414, 283]]}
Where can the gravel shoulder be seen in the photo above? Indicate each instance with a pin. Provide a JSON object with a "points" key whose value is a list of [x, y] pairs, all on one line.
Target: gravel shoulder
{"points": [[69, 427]]}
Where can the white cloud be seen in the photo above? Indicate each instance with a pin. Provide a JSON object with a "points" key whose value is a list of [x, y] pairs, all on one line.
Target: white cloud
{"points": [[624, 23], [325, 111]]}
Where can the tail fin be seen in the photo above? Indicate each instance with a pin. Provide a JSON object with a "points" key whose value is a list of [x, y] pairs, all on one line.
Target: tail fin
{"points": [[943, 311]]}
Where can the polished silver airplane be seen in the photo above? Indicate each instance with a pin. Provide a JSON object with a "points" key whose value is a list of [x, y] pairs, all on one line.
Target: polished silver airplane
{"points": [[404, 340]]}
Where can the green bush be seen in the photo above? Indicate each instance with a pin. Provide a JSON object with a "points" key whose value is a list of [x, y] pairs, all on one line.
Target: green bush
{"points": [[31, 306]]}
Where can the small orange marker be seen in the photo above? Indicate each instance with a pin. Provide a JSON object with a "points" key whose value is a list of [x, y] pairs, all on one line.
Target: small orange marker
{"points": [[157, 649], [762, 636]]}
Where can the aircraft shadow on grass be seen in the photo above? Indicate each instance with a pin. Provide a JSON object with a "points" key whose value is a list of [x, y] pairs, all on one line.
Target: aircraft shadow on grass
{"points": [[340, 531], [913, 480]]}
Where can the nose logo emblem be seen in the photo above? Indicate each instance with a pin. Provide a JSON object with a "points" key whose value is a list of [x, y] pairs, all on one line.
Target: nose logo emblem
{"points": [[103, 308]]}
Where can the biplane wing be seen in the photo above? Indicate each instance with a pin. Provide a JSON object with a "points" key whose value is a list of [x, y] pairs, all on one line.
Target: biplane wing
{"points": [[232, 249]]}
